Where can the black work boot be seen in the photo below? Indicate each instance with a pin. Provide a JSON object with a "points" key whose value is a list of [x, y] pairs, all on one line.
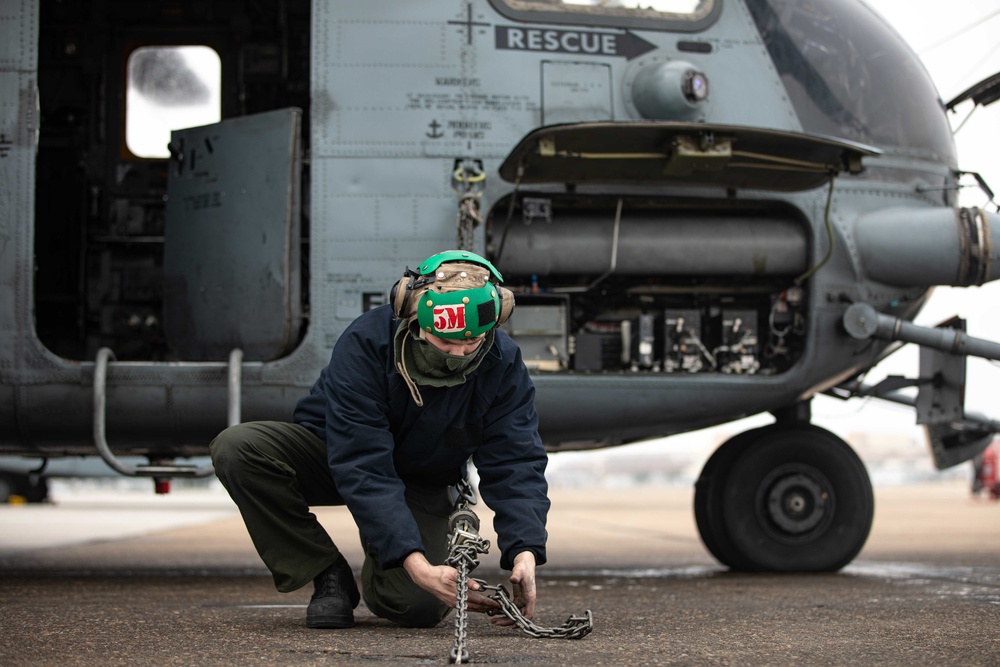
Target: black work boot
{"points": [[335, 598]]}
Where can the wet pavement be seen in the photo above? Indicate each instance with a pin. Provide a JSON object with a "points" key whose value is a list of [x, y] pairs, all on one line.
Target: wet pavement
{"points": [[175, 581]]}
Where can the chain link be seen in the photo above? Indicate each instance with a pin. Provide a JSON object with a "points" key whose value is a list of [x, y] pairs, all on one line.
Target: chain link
{"points": [[469, 218], [468, 181], [575, 627], [459, 654], [463, 555], [465, 545]]}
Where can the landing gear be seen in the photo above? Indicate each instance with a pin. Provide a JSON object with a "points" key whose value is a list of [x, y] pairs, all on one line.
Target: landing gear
{"points": [[784, 498]]}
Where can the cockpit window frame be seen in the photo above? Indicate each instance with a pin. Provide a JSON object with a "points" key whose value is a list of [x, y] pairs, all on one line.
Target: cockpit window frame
{"points": [[848, 74], [508, 9]]}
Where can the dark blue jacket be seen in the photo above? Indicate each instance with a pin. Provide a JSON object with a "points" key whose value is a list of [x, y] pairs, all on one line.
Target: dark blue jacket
{"points": [[378, 439]]}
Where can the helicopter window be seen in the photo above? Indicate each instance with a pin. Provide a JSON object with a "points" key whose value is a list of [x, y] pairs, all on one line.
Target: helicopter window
{"points": [[169, 88], [849, 75], [651, 8], [682, 15]]}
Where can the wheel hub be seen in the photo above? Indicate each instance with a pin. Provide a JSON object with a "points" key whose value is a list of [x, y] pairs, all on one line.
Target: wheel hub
{"points": [[796, 501]]}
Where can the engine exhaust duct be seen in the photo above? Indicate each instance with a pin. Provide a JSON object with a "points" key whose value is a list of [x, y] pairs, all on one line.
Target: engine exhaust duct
{"points": [[921, 248]]}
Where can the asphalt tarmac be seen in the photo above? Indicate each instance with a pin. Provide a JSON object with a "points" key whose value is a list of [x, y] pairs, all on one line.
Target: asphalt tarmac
{"points": [[134, 579]]}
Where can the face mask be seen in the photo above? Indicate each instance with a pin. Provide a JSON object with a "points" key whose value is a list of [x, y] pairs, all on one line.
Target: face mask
{"points": [[435, 363], [420, 363]]}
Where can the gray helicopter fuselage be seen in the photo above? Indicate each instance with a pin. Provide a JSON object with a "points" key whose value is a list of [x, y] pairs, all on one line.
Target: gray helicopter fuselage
{"points": [[685, 206]]}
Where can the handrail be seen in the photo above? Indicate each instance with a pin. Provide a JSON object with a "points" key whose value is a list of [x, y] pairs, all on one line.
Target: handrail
{"points": [[235, 386], [101, 442]]}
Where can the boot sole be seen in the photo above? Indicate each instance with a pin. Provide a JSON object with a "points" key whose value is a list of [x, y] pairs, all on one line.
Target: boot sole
{"points": [[330, 622]]}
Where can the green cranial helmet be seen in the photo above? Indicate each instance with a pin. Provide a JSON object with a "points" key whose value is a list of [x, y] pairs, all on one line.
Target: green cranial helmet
{"points": [[462, 299], [434, 261]]}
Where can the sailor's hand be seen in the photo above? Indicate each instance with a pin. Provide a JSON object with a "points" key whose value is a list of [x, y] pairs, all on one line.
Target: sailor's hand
{"points": [[522, 579], [441, 581]]}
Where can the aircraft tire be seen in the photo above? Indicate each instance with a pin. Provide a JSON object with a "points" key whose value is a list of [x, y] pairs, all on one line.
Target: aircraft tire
{"points": [[708, 496], [37, 490], [797, 499]]}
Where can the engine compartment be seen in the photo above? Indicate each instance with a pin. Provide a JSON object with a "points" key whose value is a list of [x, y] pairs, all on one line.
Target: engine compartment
{"points": [[615, 285]]}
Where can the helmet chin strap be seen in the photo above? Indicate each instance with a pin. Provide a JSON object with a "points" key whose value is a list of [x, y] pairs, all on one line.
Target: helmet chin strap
{"points": [[401, 367]]}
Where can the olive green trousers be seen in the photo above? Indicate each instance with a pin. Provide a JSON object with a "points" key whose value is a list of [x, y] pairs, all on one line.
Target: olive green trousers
{"points": [[274, 472]]}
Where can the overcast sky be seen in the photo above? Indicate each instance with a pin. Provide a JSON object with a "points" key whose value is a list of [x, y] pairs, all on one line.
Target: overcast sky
{"points": [[956, 40]]}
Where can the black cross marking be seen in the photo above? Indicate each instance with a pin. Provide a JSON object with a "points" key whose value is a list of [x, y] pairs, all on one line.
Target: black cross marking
{"points": [[5, 145], [468, 24]]}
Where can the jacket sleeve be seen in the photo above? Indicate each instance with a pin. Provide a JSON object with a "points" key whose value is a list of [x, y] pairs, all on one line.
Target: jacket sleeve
{"points": [[511, 466], [360, 447]]}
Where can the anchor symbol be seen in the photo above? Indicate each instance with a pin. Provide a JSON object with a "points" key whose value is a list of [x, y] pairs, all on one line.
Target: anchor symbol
{"points": [[434, 134]]}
